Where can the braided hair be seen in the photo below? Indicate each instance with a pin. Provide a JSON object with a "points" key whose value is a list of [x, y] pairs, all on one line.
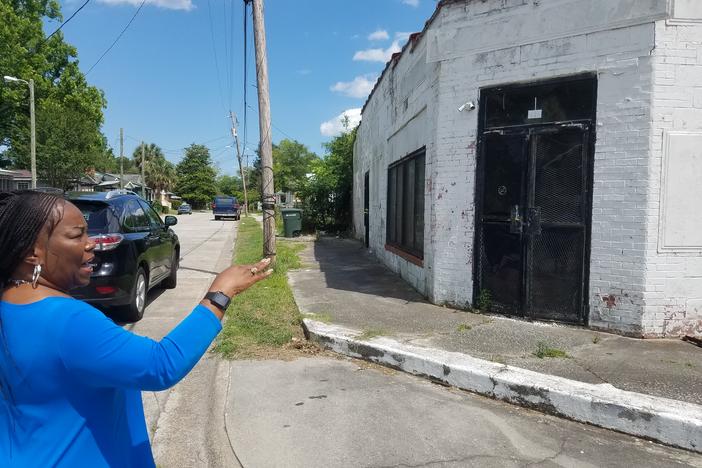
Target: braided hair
{"points": [[23, 215]]}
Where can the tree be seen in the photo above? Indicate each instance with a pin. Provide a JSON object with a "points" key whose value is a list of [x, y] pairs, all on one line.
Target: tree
{"points": [[230, 185], [327, 196], [292, 162], [196, 176], [160, 174], [69, 111]]}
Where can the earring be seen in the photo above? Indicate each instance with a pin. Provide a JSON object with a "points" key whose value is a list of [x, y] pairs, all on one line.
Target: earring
{"points": [[35, 275]]}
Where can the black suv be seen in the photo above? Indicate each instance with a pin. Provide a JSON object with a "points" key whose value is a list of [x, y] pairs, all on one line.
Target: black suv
{"points": [[135, 251]]}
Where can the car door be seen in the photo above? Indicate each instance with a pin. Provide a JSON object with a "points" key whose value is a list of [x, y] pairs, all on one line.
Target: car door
{"points": [[164, 247], [136, 223]]}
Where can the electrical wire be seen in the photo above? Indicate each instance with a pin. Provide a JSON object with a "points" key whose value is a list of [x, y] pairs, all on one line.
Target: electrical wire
{"points": [[67, 21], [118, 37], [214, 51]]}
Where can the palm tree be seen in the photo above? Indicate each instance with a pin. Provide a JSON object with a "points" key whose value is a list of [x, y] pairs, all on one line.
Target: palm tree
{"points": [[160, 174]]}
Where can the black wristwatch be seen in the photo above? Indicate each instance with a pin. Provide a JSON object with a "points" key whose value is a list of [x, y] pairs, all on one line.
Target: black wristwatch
{"points": [[219, 299]]}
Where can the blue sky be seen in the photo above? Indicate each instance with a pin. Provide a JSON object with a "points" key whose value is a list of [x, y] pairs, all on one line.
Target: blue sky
{"points": [[163, 84]]}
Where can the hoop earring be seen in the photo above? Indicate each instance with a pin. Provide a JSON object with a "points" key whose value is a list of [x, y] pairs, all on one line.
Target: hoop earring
{"points": [[35, 275]]}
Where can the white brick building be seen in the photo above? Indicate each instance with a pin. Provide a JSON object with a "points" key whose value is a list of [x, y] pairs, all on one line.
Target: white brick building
{"points": [[571, 191]]}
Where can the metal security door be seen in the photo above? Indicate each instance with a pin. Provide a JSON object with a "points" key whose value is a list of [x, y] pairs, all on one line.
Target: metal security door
{"points": [[557, 220], [501, 238], [534, 222]]}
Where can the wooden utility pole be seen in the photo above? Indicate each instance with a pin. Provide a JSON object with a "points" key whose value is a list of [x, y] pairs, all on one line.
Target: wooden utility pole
{"points": [[264, 123], [143, 173], [121, 158], [235, 134]]}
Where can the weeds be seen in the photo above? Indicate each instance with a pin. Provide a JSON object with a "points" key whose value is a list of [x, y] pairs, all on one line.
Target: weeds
{"points": [[543, 350]]}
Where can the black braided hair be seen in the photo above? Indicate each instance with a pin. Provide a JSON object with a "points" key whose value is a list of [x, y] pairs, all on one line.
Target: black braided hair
{"points": [[23, 215]]}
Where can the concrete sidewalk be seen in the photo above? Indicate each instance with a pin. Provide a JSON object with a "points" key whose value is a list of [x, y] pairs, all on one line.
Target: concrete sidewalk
{"points": [[355, 305]]}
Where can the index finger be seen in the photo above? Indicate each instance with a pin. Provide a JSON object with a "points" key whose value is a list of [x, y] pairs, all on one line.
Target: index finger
{"points": [[263, 264]]}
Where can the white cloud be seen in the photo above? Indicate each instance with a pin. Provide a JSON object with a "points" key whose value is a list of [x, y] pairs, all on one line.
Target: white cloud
{"points": [[335, 126], [185, 5], [379, 35], [413, 3], [360, 87], [378, 55], [402, 36]]}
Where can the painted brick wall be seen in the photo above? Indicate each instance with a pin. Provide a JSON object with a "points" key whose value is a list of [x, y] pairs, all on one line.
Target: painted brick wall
{"points": [[472, 45], [673, 294], [397, 121]]}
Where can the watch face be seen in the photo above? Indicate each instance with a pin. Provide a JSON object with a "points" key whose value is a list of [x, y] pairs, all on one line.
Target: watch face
{"points": [[219, 299]]}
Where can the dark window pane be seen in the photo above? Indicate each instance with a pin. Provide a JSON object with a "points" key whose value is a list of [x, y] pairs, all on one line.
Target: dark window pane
{"points": [[405, 221], [562, 101], [419, 204], [392, 181], [408, 204]]}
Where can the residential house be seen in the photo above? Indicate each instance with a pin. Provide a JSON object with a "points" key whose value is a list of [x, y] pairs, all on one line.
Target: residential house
{"points": [[541, 159]]}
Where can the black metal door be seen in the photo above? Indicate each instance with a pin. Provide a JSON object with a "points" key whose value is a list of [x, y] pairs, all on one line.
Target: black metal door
{"points": [[557, 222], [366, 207], [533, 228]]}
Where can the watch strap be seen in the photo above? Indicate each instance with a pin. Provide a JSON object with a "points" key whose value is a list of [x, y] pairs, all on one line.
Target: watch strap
{"points": [[219, 299]]}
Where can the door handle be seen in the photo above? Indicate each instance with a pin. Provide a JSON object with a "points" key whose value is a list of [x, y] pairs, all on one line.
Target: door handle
{"points": [[515, 221]]}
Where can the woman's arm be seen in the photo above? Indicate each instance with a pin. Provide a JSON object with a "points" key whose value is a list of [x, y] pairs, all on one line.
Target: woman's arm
{"points": [[102, 354]]}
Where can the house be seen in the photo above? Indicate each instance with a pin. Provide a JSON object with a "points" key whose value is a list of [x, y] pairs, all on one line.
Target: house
{"points": [[15, 179], [541, 159], [106, 182]]}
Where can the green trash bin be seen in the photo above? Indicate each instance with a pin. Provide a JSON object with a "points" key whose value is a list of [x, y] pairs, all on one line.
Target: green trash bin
{"points": [[292, 221]]}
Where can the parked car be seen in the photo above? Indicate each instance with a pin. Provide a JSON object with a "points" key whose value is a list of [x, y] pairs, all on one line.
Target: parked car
{"points": [[135, 251], [225, 207], [184, 208]]}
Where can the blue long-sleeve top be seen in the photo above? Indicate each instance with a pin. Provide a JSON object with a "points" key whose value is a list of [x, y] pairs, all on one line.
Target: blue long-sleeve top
{"points": [[73, 382]]}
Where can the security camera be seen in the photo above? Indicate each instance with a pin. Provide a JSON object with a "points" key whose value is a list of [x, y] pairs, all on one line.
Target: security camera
{"points": [[468, 105]]}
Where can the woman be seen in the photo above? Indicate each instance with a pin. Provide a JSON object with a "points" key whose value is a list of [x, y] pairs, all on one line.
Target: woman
{"points": [[70, 379]]}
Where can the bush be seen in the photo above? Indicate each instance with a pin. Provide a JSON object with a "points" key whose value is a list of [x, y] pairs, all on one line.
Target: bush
{"points": [[175, 204]]}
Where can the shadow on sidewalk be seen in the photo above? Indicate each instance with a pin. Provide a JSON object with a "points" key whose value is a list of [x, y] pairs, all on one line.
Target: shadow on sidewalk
{"points": [[342, 283]]}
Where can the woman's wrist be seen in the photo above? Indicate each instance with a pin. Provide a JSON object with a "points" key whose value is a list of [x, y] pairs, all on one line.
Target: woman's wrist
{"points": [[213, 308]]}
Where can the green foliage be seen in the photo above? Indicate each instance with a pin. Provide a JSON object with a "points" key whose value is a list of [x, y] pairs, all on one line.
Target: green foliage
{"points": [[464, 327], [68, 110], [292, 161], [175, 204], [327, 195], [230, 185], [265, 315], [484, 300], [160, 173], [543, 350], [196, 177]]}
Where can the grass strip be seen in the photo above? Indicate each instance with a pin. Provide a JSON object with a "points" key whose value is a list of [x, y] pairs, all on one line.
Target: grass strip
{"points": [[264, 317]]}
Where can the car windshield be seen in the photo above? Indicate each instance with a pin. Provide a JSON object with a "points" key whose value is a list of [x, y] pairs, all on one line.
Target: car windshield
{"points": [[98, 216]]}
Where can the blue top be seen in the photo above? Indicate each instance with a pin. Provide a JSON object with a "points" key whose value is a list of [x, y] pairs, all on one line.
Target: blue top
{"points": [[75, 379]]}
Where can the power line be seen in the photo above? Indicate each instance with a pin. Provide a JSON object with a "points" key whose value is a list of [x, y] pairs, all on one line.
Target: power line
{"points": [[214, 52], [118, 37], [66, 22]]}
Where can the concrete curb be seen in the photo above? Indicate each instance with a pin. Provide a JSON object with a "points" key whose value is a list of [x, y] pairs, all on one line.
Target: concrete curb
{"points": [[672, 422]]}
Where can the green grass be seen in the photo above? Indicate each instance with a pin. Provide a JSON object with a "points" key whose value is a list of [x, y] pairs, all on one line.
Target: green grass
{"points": [[464, 327], [265, 316], [543, 350], [370, 333]]}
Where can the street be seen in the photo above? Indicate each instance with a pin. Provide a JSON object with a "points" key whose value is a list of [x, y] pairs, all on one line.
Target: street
{"points": [[326, 411]]}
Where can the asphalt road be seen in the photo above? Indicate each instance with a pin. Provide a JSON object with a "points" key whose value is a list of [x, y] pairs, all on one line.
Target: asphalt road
{"points": [[334, 412]]}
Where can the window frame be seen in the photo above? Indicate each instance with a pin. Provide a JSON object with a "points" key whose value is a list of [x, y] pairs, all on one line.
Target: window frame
{"points": [[403, 197]]}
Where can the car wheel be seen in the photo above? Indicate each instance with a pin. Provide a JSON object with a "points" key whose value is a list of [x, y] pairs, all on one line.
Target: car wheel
{"points": [[172, 280], [135, 310]]}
